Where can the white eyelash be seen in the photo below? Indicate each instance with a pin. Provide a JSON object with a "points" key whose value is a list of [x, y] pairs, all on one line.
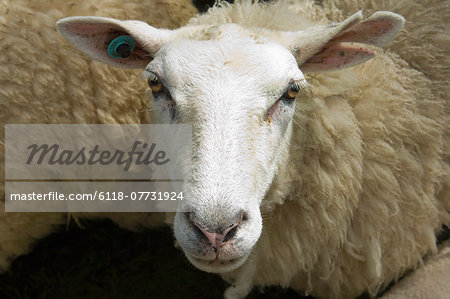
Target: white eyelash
{"points": [[149, 75]]}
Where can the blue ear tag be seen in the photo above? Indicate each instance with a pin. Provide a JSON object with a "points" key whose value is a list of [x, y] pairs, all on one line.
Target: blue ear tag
{"points": [[121, 46]]}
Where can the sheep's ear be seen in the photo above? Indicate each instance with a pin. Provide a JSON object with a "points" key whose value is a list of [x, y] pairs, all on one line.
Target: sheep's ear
{"points": [[101, 38], [329, 47]]}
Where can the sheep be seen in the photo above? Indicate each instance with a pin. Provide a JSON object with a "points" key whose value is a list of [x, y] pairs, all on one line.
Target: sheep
{"points": [[352, 183], [425, 282], [44, 80]]}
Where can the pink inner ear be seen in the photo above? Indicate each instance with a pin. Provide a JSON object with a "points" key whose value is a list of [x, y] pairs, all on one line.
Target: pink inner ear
{"points": [[368, 32], [90, 30], [337, 56], [93, 38]]}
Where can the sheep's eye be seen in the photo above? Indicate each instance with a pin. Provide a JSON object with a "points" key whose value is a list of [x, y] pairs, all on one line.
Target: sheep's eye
{"points": [[155, 85], [290, 94]]}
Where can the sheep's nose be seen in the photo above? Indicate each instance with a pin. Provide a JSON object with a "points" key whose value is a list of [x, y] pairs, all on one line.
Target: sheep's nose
{"points": [[220, 235]]}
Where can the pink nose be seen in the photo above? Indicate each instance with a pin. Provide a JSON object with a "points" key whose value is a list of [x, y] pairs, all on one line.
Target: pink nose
{"points": [[216, 238]]}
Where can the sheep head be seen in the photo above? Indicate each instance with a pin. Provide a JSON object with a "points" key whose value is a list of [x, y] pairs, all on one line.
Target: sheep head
{"points": [[237, 87]]}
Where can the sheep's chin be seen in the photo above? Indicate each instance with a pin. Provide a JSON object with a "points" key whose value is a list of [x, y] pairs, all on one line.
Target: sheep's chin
{"points": [[217, 266]]}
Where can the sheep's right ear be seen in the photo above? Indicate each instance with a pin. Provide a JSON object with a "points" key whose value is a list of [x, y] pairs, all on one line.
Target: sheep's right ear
{"points": [[125, 44]]}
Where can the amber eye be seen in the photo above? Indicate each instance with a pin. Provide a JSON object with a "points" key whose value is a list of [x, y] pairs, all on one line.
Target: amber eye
{"points": [[155, 85], [291, 93]]}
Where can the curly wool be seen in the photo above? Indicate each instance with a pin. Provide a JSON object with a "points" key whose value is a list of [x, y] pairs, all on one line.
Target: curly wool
{"points": [[367, 184], [45, 80]]}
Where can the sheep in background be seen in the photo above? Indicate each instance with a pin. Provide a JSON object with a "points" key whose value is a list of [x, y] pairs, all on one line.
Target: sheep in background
{"points": [[426, 282], [353, 185], [423, 44], [44, 80]]}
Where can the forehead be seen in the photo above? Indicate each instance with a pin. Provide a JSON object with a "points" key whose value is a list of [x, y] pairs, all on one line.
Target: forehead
{"points": [[186, 61]]}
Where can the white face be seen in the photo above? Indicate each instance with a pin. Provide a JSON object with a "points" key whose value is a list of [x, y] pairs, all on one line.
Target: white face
{"points": [[239, 97], [237, 89]]}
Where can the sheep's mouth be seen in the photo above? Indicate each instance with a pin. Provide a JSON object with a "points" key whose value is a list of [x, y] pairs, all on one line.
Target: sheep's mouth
{"points": [[216, 261], [217, 265]]}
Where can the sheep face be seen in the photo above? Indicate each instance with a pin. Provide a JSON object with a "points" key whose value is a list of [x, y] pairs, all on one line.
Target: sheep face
{"points": [[239, 97], [237, 88]]}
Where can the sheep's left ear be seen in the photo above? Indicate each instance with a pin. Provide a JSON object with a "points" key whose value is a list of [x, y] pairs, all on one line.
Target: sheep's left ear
{"points": [[321, 48], [125, 44]]}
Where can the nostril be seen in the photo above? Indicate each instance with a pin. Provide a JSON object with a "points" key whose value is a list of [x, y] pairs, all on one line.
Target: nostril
{"points": [[198, 231], [230, 234], [244, 216]]}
